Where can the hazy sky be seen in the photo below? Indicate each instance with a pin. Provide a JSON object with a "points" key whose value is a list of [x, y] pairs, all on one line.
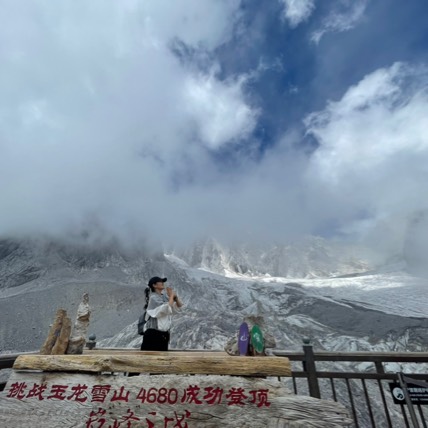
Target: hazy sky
{"points": [[231, 118]]}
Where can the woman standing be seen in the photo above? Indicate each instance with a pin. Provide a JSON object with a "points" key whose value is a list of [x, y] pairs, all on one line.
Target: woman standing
{"points": [[160, 307]]}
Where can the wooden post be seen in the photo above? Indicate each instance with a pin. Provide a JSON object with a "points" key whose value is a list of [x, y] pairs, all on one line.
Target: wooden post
{"points": [[54, 332], [62, 341]]}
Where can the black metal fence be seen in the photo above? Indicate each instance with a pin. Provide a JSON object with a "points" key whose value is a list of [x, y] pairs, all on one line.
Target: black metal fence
{"points": [[366, 392]]}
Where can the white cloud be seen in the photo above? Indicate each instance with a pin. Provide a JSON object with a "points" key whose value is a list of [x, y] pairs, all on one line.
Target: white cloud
{"points": [[101, 123], [223, 103], [345, 15], [99, 119], [373, 154], [297, 11], [205, 24]]}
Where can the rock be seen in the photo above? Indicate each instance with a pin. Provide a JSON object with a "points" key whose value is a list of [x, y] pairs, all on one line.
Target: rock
{"points": [[78, 338]]}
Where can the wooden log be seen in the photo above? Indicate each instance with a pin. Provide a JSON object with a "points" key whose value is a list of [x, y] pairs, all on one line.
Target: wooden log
{"points": [[158, 362], [54, 332], [130, 351], [62, 342], [82, 400], [78, 338]]}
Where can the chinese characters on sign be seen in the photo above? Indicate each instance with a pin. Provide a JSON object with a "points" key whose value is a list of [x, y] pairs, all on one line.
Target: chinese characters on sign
{"points": [[97, 419], [103, 394]]}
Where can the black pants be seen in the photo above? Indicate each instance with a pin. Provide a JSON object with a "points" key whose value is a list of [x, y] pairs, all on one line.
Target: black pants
{"points": [[155, 340]]}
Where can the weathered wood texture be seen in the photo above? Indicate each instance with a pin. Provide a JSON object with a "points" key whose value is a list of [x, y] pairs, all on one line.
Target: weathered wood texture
{"points": [[158, 362], [54, 332], [64, 400], [61, 343], [137, 351]]}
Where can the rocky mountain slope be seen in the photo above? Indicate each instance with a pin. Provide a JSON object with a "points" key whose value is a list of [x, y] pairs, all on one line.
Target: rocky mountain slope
{"points": [[338, 311]]}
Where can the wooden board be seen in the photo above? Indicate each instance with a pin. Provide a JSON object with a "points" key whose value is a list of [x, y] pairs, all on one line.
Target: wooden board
{"points": [[158, 362], [52, 400]]}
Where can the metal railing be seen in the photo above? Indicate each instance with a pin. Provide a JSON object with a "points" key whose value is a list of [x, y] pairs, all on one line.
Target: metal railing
{"points": [[365, 393]]}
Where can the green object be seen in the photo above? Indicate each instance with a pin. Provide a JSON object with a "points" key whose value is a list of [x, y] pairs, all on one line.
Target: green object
{"points": [[257, 340]]}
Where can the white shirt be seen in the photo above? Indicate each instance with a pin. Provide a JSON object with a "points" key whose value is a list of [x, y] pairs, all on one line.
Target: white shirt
{"points": [[161, 310]]}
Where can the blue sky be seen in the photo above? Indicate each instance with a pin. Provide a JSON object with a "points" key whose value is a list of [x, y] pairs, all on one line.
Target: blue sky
{"points": [[240, 119]]}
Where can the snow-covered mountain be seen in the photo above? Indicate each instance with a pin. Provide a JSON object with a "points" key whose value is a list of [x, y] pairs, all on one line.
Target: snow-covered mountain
{"points": [[308, 258], [326, 292]]}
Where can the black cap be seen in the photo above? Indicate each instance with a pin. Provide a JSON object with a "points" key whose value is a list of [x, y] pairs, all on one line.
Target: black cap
{"points": [[156, 279]]}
